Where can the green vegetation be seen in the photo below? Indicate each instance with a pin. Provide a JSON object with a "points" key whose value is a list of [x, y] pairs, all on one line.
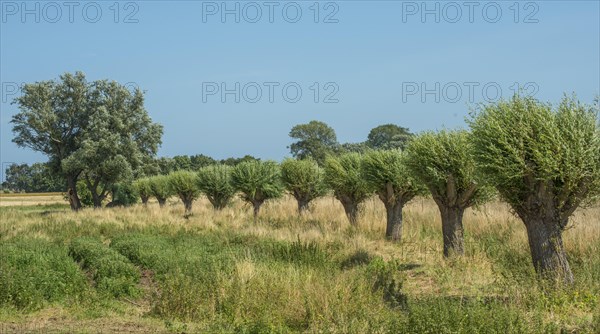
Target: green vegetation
{"points": [[185, 185], [545, 163], [161, 189], [344, 175], [444, 162], [258, 182], [112, 272], [215, 182], [387, 175], [148, 269], [144, 188], [304, 179]]}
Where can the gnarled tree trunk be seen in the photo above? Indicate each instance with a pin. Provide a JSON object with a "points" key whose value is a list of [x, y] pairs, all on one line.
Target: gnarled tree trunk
{"points": [[72, 193], [547, 251], [352, 211], [393, 230], [302, 205], [145, 200], [187, 203], [161, 201], [452, 230]]}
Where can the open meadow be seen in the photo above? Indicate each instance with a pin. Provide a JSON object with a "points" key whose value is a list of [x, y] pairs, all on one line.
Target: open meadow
{"points": [[147, 269]]}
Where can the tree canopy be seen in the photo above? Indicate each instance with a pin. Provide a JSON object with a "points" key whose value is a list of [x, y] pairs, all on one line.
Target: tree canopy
{"points": [[315, 139], [98, 130], [388, 136]]}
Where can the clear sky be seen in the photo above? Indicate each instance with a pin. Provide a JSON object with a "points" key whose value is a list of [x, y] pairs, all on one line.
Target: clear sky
{"points": [[371, 59]]}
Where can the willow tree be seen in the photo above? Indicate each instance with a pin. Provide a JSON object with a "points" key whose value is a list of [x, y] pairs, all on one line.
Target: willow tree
{"points": [[387, 175], [161, 189], [444, 162], [96, 131], [544, 161], [258, 181], [184, 184], [304, 179], [143, 188], [215, 182], [344, 176]]}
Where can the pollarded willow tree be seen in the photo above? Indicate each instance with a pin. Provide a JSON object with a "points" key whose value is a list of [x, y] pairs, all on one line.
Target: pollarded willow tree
{"points": [[444, 162], [143, 188], [344, 175], [545, 162], [258, 181], [304, 179], [215, 182], [184, 184], [388, 176], [161, 189]]}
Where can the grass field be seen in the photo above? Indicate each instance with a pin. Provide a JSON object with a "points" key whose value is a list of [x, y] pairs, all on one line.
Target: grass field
{"points": [[143, 269]]}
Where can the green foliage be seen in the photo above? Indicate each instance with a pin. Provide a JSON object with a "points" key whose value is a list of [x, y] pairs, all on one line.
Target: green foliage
{"points": [[386, 173], [444, 161], [522, 145], [215, 182], [344, 175], [35, 272], [98, 131], [316, 140], [112, 272], [185, 185], [84, 194], [304, 179], [388, 136], [143, 187], [160, 188], [258, 181], [38, 177], [124, 194]]}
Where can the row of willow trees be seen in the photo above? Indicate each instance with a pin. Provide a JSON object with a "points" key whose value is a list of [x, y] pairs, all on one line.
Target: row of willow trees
{"points": [[543, 161]]}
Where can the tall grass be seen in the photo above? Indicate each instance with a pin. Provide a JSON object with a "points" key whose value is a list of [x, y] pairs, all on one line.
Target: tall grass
{"points": [[218, 271]]}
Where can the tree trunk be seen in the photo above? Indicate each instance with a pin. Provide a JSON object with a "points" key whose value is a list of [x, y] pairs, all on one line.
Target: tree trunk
{"points": [[144, 200], [97, 200], [256, 209], [72, 193], [393, 230], [161, 201], [187, 203], [452, 229], [302, 206], [547, 251], [351, 210]]}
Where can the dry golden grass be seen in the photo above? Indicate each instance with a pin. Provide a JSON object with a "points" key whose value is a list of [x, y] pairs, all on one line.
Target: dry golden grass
{"points": [[427, 273]]}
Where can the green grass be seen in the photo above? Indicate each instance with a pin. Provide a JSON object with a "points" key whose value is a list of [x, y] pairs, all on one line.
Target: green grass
{"points": [[281, 275], [36, 272], [112, 272]]}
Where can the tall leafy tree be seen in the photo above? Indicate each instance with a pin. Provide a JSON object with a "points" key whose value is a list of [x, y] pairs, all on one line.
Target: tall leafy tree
{"points": [[545, 162], [315, 139], [388, 136], [96, 131], [119, 137], [304, 179], [344, 174], [51, 119], [388, 176], [444, 162]]}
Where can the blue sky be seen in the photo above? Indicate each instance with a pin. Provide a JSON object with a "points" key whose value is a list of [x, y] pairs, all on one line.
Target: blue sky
{"points": [[374, 61]]}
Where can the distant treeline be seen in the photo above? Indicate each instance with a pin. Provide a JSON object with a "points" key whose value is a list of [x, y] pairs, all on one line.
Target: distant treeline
{"points": [[39, 176]]}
